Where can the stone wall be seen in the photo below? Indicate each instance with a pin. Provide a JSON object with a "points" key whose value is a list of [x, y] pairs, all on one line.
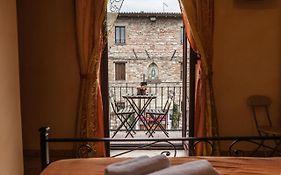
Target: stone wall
{"points": [[147, 42]]}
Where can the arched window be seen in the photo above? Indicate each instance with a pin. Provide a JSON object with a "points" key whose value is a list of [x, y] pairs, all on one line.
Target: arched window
{"points": [[152, 71]]}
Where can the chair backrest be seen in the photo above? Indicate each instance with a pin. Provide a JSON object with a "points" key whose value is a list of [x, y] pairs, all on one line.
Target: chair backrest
{"points": [[263, 102], [117, 106], [113, 103], [169, 101]]}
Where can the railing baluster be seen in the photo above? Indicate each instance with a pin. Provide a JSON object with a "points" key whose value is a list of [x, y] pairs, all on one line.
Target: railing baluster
{"points": [[126, 92], [161, 97], [150, 92], [120, 93], [114, 90], [155, 90], [126, 88]]}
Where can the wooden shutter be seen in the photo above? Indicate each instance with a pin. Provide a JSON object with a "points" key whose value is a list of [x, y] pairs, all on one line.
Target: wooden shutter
{"points": [[119, 71]]}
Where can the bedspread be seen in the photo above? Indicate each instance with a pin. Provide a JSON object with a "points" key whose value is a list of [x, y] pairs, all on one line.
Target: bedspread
{"points": [[224, 165]]}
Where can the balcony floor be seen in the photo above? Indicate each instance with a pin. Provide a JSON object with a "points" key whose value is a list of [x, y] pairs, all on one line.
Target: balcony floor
{"points": [[142, 134]]}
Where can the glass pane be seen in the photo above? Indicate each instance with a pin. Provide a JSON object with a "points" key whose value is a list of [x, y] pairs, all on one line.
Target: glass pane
{"points": [[122, 40], [117, 34]]}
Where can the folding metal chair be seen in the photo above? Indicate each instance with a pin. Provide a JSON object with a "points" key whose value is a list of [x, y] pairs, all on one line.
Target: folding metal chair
{"points": [[160, 116], [263, 122], [123, 115]]}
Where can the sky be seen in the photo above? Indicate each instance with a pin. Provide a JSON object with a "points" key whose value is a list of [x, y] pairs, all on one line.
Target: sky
{"points": [[150, 6]]}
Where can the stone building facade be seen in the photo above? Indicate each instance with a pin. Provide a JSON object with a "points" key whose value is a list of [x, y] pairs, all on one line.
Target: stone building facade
{"points": [[151, 50], [149, 38]]}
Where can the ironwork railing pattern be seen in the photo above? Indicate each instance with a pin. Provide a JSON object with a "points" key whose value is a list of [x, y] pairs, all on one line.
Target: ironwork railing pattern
{"points": [[233, 148], [161, 90], [114, 6]]}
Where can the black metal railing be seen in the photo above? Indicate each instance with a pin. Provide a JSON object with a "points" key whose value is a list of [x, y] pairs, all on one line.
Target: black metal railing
{"points": [[161, 90]]}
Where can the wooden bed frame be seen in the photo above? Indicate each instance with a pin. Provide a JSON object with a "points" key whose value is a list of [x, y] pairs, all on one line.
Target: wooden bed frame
{"points": [[258, 141]]}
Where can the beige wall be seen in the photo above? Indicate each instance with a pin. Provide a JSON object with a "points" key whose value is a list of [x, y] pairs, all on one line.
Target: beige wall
{"points": [[10, 119], [247, 61], [49, 68]]}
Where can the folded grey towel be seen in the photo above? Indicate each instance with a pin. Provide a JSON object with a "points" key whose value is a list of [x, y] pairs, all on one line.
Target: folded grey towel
{"points": [[199, 167], [138, 166], [125, 162]]}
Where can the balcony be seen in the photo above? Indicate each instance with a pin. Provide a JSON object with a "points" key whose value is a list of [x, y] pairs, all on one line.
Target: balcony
{"points": [[173, 124]]}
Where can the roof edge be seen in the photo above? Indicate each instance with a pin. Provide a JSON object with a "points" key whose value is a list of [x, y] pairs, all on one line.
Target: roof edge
{"points": [[150, 14]]}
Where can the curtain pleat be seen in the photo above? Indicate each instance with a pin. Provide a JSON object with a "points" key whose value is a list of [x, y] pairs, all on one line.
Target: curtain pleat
{"points": [[90, 17], [198, 17]]}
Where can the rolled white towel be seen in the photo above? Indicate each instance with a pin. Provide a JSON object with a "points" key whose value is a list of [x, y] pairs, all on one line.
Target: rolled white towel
{"points": [[199, 167], [138, 166]]}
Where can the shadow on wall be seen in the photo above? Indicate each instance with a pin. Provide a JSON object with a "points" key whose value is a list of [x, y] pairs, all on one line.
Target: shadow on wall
{"points": [[255, 4], [262, 5]]}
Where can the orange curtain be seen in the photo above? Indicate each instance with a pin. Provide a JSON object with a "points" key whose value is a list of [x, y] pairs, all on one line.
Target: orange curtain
{"points": [[90, 18], [198, 17]]}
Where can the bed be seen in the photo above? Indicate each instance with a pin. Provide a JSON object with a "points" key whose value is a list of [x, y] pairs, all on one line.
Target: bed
{"points": [[224, 165]]}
